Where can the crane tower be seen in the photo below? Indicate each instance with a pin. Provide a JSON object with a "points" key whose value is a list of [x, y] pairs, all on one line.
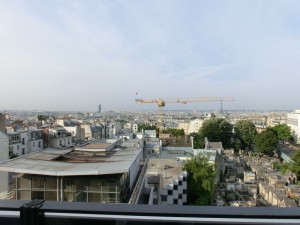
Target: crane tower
{"points": [[162, 103]]}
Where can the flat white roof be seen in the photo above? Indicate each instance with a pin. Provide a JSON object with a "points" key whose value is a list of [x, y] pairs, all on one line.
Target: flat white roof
{"points": [[68, 163]]}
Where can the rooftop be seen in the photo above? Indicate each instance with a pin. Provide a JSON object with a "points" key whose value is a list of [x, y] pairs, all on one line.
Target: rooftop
{"points": [[72, 163], [169, 169]]}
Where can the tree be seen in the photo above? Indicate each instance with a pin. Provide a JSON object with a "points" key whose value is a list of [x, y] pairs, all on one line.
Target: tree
{"points": [[174, 132], [201, 176], [217, 129], [266, 141], [283, 132], [198, 143], [12, 155], [283, 167], [245, 132], [295, 165]]}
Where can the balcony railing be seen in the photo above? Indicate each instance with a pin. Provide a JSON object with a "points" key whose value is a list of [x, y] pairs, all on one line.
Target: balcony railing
{"points": [[40, 212]]}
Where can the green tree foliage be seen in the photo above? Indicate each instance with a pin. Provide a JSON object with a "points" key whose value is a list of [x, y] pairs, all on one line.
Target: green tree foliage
{"points": [[217, 129], [200, 180], [283, 132], [276, 165], [283, 167], [198, 143], [245, 132], [295, 165], [266, 141], [42, 117], [12, 155], [174, 132]]}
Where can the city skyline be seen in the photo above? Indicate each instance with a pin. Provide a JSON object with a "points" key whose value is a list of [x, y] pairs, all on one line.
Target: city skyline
{"points": [[71, 55]]}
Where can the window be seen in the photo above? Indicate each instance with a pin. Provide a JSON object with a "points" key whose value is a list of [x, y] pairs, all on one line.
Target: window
{"points": [[180, 182], [38, 183], [33, 144], [170, 192], [184, 178], [38, 195], [180, 196], [23, 141], [23, 151], [175, 201], [164, 198], [184, 191], [39, 144], [175, 187]]}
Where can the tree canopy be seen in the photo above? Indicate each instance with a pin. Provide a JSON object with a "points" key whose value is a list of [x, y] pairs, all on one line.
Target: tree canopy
{"points": [[198, 143], [283, 131], [217, 129], [200, 180], [174, 132], [295, 165], [266, 141], [245, 132]]}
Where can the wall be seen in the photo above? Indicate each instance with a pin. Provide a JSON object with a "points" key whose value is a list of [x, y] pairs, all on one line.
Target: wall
{"points": [[4, 148], [135, 168], [24, 143]]}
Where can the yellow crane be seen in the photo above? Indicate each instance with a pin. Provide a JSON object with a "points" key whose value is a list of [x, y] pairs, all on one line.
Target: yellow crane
{"points": [[162, 103]]}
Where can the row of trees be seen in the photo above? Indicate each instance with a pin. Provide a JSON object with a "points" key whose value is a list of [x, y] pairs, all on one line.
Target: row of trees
{"points": [[266, 141], [244, 136]]}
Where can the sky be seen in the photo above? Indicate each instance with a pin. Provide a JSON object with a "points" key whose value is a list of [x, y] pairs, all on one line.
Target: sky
{"points": [[72, 55]]}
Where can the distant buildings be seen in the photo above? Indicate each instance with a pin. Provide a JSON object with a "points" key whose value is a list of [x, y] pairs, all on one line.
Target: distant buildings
{"points": [[192, 126], [99, 108]]}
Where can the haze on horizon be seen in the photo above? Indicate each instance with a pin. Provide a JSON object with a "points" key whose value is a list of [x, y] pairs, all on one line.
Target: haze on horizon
{"points": [[73, 55]]}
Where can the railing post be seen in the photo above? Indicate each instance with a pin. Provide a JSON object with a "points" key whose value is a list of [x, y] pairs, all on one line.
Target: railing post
{"points": [[31, 214]]}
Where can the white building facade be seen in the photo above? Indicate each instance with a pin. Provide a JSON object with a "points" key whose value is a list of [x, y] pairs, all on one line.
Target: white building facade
{"points": [[293, 121], [59, 137]]}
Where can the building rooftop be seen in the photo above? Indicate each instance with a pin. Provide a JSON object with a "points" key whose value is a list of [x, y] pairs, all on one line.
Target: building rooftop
{"points": [[72, 163], [169, 170]]}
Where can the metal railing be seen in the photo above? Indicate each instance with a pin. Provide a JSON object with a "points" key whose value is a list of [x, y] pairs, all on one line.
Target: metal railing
{"points": [[54, 213], [138, 187]]}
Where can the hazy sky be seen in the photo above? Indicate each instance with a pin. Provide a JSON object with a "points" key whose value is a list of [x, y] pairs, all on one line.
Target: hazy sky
{"points": [[74, 55]]}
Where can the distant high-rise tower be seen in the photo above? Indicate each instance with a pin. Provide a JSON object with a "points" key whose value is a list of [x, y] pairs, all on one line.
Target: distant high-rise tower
{"points": [[99, 108]]}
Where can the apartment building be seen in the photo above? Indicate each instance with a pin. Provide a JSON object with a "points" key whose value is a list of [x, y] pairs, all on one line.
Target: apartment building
{"points": [[57, 137], [192, 126], [293, 121], [24, 142], [35, 140]]}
